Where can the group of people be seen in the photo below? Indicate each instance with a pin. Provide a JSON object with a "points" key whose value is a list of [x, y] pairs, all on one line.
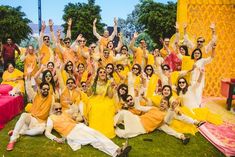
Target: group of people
{"points": [[92, 94]]}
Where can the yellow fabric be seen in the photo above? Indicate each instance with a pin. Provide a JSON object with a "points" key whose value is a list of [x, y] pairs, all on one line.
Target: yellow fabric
{"points": [[164, 53], [104, 41], [152, 85], [84, 76], [152, 119], [101, 112], [41, 107], [46, 52], [15, 74], [69, 55], [187, 63], [63, 124], [156, 99], [81, 59], [150, 59], [28, 107], [106, 61], [223, 63], [138, 56], [84, 99], [30, 60], [74, 96]]}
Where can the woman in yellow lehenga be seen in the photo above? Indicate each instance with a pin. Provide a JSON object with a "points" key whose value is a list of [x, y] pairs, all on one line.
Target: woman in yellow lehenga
{"points": [[191, 108], [13, 77], [101, 106]]}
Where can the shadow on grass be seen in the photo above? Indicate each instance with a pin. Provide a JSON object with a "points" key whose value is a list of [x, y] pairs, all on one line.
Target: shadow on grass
{"points": [[162, 145]]}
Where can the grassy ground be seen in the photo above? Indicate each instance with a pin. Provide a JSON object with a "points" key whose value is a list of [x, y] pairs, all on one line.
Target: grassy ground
{"points": [[162, 145]]}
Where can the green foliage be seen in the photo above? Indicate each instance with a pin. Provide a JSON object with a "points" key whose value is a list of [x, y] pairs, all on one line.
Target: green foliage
{"points": [[148, 40], [83, 16], [158, 19], [13, 24], [19, 64]]}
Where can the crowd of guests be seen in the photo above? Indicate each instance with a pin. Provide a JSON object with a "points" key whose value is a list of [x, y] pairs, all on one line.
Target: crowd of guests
{"points": [[90, 94]]}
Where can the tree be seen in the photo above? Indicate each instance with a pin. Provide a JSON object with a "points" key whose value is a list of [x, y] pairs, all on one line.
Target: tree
{"points": [[13, 24], [83, 15], [158, 19]]}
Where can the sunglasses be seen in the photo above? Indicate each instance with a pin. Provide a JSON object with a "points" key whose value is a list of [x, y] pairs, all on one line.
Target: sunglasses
{"points": [[69, 64], [123, 88], [83, 85], [124, 49], [199, 41], [67, 42], [45, 89], [166, 69], [58, 109], [109, 68], [48, 75], [181, 82], [70, 83], [106, 52], [82, 41], [93, 47], [120, 69], [135, 68], [128, 100], [102, 72], [149, 69]]}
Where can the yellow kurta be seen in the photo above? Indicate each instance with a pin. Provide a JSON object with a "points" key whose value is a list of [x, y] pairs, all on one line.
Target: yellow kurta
{"points": [[63, 124], [81, 59], [15, 74], [47, 53], [30, 60], [138, 56], [67, 96], [41, 107], [164, 53], [101, 112]]}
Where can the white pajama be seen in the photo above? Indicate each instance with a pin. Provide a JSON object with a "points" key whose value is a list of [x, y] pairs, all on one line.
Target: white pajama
{"points": [[132, 124], [27, 125], [83, 135]]}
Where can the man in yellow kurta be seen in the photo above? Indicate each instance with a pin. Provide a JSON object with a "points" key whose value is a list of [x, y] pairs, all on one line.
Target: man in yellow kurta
{"points": [[140, 52], [33, 123], [45, 51], [80, 134], [145, 119]]}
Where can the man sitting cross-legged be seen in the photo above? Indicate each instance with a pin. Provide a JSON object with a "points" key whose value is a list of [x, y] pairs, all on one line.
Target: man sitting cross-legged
{"points": [[33, 123], [144, 119], [80, 134]]}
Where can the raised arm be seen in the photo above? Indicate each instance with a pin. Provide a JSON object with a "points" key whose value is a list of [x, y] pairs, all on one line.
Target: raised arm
{"points": [[111, 37], [52, 31], [68, 34], [94, 30], [40, 41], [132, 43], [187, 42], [210, 45], [177, 36]]}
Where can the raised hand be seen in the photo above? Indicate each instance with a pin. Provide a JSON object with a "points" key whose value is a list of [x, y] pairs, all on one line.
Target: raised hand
{"points": [[212, 26], [79, 37], [135, 35], [95, 20], [50, 23], [43, 25], [58, 33], [115, 21], [177, 26], [69, 22]]}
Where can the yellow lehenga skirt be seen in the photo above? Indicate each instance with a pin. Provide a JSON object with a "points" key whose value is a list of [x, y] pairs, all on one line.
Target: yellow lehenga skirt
{"points": [[200, 114], [101, 114]]}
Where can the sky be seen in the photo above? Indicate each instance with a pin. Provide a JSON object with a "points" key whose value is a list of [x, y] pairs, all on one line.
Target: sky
{"points": [[53, 9]]}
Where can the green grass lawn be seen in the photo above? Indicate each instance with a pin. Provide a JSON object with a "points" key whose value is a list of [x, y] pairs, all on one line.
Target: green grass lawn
{"points": [[162, 145]]}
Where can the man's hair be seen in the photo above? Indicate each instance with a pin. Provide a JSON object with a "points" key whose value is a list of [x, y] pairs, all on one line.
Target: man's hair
{"points": [[128, 95], [44, 83], [67, 39], [46, 36], [70, 79]]}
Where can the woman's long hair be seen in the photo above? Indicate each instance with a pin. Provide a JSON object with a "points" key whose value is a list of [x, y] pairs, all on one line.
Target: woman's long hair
{"points": [[66, 66], [178, 89], [118, 89], [52, 82], [94, 85], [145, 70], [165, 86], [110, 74]]}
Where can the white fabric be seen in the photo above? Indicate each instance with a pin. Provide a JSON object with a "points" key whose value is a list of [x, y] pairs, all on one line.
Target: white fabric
{"points": [[27, 125], [83, 135], [189, 99], [132, 124], [170, 131]]}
